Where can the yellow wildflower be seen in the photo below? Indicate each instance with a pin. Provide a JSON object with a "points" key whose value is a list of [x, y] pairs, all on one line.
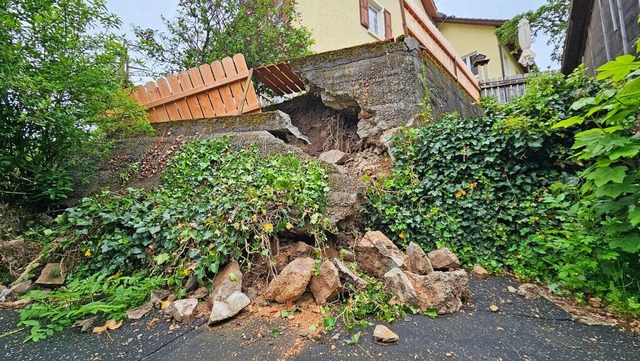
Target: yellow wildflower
{"points": [[87, 253], [460, 193], [268, 227]]}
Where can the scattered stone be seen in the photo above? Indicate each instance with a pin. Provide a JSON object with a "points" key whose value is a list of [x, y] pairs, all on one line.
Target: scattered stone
{"points": [[182, 310], [511, 289], [138, 313], [348, 276], [191, 284], [52, 275], [397, 283], [595, 302], [479, 272], [199, 293], [21, 288], [347, 255], [444, 291], [4, 292], [376, 254], [383, 334], [157, 296], [300, 250], [443, 259], [529, 291], [494, 308], [326, 285], [226, 282], [291, 283], [223, 310], [334, 157], [418, 261]]}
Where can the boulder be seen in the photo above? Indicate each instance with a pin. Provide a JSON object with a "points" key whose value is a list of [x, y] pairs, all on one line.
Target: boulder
{"points": [[479, 272], [182, 310], [417, 260], [443, 259], [300, 250], [326, 286], [376, 254], [291, 283], [348, 276], [226, 282], [228, 308], [21, 288], [334, 157], [384, 335], [444, 291], [397, 283]]}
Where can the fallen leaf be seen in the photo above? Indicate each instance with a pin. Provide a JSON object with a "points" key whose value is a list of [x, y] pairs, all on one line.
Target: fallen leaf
{"points": [[86, 324], [153, 323], [138, 313], [109, 325]]}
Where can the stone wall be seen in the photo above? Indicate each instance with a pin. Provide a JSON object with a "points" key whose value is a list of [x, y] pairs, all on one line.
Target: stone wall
{"points": [[382, 82]]}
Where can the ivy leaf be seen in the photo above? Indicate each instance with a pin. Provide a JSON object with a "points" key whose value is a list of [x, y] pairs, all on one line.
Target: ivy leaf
{"points": [[634, 216], [619, 68], [162, 258], [602, 176], [582, 102]]}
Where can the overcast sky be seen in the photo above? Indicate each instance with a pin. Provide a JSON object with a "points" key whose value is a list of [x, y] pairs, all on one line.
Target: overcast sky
{"points": [[146, 13]]}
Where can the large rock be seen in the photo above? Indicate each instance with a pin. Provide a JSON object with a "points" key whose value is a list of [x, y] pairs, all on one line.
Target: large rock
{"points": [[182, 310], [418, 261], [228, 308], [291, 283], [444, 291], [348, 276], [377, 255], [326, 286], [226, 282], [479, 272], [443, 259], [397, 282], [334, 157]]}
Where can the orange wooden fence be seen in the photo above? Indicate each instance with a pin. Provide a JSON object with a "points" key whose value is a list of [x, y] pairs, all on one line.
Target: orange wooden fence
{"points": [[211, 90], [417, 25]]}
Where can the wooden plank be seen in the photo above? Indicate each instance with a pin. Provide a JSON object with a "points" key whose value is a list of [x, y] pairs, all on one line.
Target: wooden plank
{"points": [[236, 88], [286, 70], [214, 94], [250, 96], [195, 90], [159, 113], [262, 74], [273, 78], [140, 95], [192, 101], [176, 88], [203, 98], [225, 91], [165, 92]]}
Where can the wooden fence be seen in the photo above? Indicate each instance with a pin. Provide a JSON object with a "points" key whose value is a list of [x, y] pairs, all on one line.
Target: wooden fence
{"points": [[505, 89], [417, 25], [211, 90]]}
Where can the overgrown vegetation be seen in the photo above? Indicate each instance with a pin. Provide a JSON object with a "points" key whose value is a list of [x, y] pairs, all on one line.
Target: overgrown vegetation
{"points": [[545, 185], [217, 202], [61, 93], [265, 31]]}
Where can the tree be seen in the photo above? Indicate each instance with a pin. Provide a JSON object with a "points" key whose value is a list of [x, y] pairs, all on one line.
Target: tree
{"points": [[264, 31], [61, 93], [550, 18]]}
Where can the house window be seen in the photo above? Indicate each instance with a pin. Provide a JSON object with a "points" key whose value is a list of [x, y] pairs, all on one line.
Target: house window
{"points": [[469, 60], [376, 19]]}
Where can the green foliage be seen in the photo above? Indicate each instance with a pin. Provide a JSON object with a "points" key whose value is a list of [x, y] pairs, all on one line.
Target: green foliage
{"points": [[265, 31], [216, 202], [474, 185], [98, 295], [61, 92], [550, 19], [373, 300]]}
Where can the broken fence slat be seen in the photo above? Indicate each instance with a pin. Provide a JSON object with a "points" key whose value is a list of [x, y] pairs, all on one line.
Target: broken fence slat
{"points": [[286, 70], [214, 93], [230, 70], [249, 96], [225, 91]]}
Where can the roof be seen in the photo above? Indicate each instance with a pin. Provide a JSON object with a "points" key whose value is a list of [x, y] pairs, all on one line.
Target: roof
{"points": [[430, 7], [470, 21], [576, 39]]}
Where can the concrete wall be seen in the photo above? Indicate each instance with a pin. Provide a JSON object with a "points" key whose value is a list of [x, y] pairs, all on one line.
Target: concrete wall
{"points": [[335, 24], [469, 38], [382, 84]]}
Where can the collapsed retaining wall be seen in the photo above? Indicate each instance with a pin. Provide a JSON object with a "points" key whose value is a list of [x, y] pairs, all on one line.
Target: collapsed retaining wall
{"points": [[384, 84]]}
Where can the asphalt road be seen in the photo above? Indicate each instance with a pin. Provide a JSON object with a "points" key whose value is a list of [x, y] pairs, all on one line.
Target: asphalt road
{"points": [[521, 330]]}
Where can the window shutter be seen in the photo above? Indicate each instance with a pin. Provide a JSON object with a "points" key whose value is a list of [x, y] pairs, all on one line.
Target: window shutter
{"points": [[364, 13], [387, 25]]}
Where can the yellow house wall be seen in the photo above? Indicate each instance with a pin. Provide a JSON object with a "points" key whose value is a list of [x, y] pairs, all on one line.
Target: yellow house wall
{"points": [[335, 24], [467, 38]]}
